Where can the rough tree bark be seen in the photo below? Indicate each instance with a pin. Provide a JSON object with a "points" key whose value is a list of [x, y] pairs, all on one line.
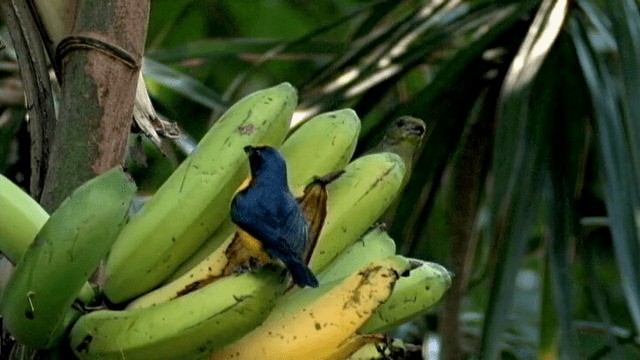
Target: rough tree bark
{"points": [[35, 78], [99, 64]]}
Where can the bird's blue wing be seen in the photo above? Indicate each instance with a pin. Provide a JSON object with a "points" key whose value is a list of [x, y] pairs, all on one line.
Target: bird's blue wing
{"points": [[293, 230]]}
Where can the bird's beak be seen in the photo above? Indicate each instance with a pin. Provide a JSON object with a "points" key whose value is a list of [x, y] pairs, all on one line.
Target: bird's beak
{"points": [[249, 149], [417, 129]]}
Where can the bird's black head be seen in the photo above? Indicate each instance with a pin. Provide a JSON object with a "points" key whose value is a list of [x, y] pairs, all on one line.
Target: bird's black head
{"points": [[267, 164]]}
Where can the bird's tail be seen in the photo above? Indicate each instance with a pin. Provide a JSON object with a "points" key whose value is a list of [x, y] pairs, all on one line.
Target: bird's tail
{"points": [[301, 274]]}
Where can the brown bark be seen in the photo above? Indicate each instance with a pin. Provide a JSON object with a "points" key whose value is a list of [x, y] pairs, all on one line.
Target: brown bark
{"points": [[99, 64], [37, 86]]}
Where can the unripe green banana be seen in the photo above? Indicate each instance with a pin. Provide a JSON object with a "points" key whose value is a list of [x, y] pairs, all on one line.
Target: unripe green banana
{"points": [[413, 295], [322, 145], [315, 323], [21, 218], [374, 245], [356, 200], [36, 305], [189, 327], [195, 199]]}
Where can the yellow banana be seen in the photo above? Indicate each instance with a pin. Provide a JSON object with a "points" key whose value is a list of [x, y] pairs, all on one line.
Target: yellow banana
{"points": [[195, 199], [314, 323], [210, 269], [413, 295], [36, 305], [355, 201], [213, 243], [374, 245], [21, 218], [189, 327]]}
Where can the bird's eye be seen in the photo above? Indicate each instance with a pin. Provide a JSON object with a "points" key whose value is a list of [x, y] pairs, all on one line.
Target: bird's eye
{"points": [[400, 123]]}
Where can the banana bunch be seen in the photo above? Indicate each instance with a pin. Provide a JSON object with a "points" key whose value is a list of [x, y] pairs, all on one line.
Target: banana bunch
{"points": [[175, 278]]}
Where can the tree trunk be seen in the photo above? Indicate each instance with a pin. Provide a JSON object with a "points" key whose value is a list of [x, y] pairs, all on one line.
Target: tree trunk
{"points": [[99, 64]]}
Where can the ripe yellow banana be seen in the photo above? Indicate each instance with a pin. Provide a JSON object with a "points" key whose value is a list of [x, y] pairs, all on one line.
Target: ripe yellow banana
{"points": [[355, 201], [195, 199], [413, 295], [314, 323], [188, 327], [36, 304], [213, 243], [374, 245], [21, 218], [323, 144]]}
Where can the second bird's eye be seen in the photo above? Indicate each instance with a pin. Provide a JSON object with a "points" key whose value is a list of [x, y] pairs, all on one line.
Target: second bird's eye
{"points": [[400, 123]]}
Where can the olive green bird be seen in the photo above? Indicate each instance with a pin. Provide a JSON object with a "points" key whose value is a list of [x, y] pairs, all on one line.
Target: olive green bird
{"points": [[403, 137]]}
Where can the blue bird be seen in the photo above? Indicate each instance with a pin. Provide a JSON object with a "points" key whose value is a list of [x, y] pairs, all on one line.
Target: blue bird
{"points": [[266, 211]]}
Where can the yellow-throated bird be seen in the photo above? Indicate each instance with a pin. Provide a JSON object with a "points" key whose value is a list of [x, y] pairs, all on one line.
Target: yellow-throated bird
{"points": [[267, 211]]}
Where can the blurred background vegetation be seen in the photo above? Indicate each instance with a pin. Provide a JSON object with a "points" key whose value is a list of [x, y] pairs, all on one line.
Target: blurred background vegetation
{"points": [[527, 183]]}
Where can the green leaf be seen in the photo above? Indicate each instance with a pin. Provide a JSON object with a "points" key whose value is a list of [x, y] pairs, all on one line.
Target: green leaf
{"points": [[183, 84], [523, 121], [618, 159]]}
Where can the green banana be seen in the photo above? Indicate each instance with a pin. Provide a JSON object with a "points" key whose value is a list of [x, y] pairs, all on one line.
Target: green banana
{"points": [[189, 327], [315, 323], [355, 201], [36, 304], [195, 199], [21, 218], [374, 245], [334, 136], [413, 295], [323, 144]]}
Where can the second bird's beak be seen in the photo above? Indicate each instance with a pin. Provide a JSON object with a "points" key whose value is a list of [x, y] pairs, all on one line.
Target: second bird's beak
{"points": [[249, 149]]}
